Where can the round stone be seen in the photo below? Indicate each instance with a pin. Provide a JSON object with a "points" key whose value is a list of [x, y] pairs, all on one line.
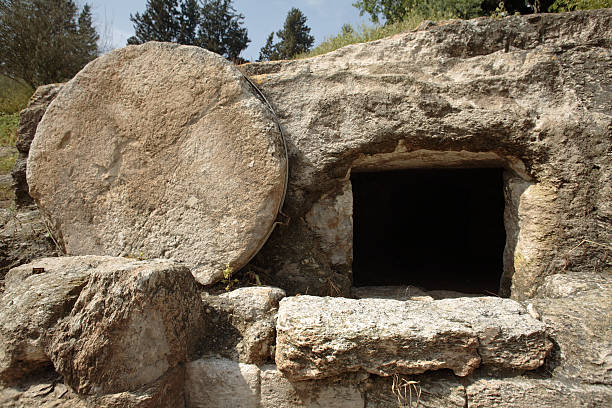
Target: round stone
{"points": [[160, 151]]}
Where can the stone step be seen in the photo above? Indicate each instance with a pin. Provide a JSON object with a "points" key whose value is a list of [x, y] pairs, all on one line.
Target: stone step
{"points": [[319, 337]]}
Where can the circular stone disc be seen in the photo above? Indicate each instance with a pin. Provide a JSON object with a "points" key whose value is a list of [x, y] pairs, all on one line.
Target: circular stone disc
{"points": [[160, 150]]}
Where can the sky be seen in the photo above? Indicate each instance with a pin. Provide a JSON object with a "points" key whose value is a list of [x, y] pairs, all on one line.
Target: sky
{"points": [[325, 18]]}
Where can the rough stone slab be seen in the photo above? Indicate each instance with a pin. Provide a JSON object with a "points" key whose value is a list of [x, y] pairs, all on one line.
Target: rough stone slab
{"points": [[529, 393], [32, 306], [221, 383], [326, 337], [278, 391], [437, 390], [160, 151], [241, 324], [578, 314], [133, 322]]}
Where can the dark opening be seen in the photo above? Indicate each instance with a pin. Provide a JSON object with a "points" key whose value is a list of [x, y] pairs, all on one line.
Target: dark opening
{"points": [[435, 229]]}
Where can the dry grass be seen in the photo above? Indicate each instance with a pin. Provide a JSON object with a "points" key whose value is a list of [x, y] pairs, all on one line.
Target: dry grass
{"points": [[365, 33], [14, 95], [8, 128], [7, 163], [407, 393]]}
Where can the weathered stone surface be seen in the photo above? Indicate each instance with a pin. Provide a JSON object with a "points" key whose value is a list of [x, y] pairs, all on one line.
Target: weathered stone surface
{"points": [[278, 391], [578, 314], [241, 324], [28, 122], [23, 238], [45, 390], [531, 94], [436, 391], [221, 383], [133, 322], [48, 391], [32, 306], [527, 393], [165, 151], [326, 337]]}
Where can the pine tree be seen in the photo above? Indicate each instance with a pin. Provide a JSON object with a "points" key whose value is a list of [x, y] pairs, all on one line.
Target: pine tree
{"points": [[189, 21], [269, 52], [294, 38], [44, 41], [214, 25], [221, 29], [88, 34], [159, 22]]}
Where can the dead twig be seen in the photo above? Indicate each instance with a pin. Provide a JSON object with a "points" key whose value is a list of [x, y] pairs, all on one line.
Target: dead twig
{"points": [[405, 392]]}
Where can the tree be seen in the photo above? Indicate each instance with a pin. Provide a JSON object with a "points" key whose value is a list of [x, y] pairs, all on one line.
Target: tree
{"points": [[571, 5], [269, 52], [391, 11], [44, 41], [221, 29], [159, 22], [213, 25], [88, 34], [294, 39]]}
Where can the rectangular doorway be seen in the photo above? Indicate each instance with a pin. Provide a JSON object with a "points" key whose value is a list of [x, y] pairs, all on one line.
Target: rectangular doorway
{"points": [[439, 229]]}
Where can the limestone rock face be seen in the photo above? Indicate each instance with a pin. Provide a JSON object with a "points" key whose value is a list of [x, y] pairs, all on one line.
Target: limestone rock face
{"points": [[221, 383], [326, 337], [531, 94], [160, 151], [133, 322], [23, 238], [528, 393], [241, 324], [28, 122], [32, 306], [278, 391], [48, 390], [578, 313]]}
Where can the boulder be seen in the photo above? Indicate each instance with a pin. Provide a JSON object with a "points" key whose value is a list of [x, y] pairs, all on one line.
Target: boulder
{"points": [[328, 337], [134, 322], [38, 295], [28, 122], [242, 324], [528, 393], [577, 310], [165, 151]]}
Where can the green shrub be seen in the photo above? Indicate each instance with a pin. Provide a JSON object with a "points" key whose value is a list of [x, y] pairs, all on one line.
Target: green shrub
{"points": [[8, 128], [7, 163], [352, 35], [571, 5], [14, 95]]}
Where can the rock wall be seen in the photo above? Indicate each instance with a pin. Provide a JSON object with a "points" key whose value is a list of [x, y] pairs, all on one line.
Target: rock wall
{"points": [[96, 331], [527, 93]]}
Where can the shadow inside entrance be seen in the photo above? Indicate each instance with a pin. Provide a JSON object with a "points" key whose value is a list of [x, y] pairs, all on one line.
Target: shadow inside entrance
{"points": [[435, 229]]}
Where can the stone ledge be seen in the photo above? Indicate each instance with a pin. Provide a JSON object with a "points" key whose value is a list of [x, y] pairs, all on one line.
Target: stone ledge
{"points": [[327, 337]]}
